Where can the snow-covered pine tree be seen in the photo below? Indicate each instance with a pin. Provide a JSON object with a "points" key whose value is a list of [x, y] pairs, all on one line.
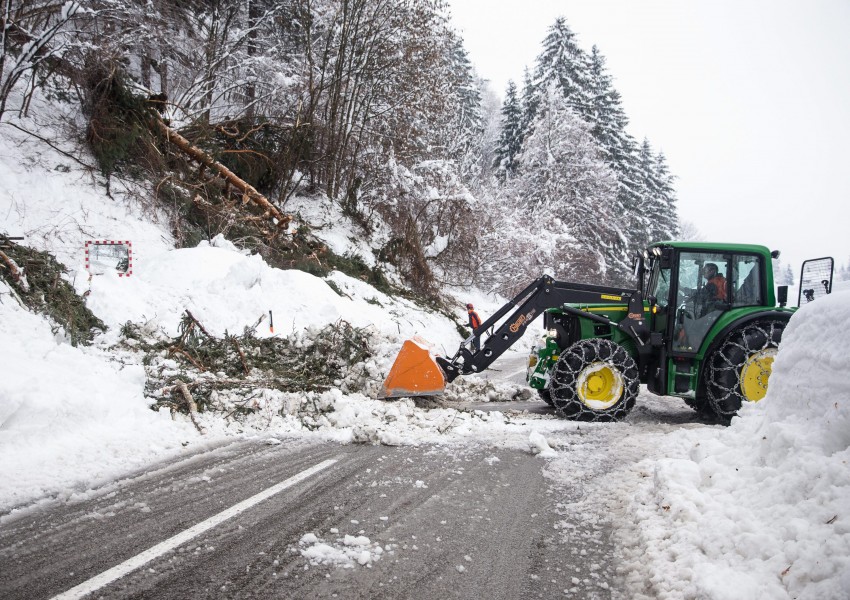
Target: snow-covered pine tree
{"points": [[788, 278], [491, 107], [464, 135], [670, 228], [563, 63], [510, 139], [844, 272], [658, 207], [636, 183], [566, 185], [609, 125], [783, 274], [643, 185], [530, 101]]}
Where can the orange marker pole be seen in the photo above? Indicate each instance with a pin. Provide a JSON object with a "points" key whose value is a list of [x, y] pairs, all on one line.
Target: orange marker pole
{"points": [[271, 323]]}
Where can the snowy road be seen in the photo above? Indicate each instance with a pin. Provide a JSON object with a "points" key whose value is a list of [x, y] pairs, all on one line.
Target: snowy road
{"points": [[425, 522]]}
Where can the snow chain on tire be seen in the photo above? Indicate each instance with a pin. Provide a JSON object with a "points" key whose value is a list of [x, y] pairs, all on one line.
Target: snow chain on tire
{"points": [[594, 380], [741, 349]]}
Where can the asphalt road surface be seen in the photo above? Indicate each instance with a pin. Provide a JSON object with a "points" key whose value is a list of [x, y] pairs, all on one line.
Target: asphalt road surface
{"points": [[434, 522]]}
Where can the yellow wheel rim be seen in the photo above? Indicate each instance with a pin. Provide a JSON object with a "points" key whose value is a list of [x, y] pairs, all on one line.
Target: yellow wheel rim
{"points": [[755, 374], [600, 386]]}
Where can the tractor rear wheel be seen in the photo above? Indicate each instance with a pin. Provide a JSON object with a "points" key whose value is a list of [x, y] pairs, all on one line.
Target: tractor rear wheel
{"points": [[739, 369], [594, 380]]}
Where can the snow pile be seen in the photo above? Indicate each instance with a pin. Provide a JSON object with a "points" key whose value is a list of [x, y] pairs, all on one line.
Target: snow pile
{"points": [[69, 415], [355, 418], [761, 510], [227, 290], [539, 446], [345, 552]]}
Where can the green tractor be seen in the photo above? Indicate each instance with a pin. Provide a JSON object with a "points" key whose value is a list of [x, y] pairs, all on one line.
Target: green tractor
{"points": [[713, 329], [703, 324]]}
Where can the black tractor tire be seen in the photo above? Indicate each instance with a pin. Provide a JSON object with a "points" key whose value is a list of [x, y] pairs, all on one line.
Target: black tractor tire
{"points": [[701, 406], [546, 396], [595, 380], [738, 366]]}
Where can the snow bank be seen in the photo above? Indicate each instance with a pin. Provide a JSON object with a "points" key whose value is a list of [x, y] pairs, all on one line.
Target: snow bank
{"points": [[70, 417], [758, 510], [811, 393]]}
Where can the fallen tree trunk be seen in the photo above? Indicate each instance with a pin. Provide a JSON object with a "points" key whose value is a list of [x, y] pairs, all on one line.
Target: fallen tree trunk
{"points": [[249, 193]]}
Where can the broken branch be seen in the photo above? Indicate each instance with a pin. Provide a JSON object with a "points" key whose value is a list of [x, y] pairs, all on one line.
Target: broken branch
{"points": [[190, 403]]}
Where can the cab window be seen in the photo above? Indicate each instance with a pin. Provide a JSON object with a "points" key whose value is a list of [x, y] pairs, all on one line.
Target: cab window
{"points": [[746, 281], [662, 288], [703, 295]]}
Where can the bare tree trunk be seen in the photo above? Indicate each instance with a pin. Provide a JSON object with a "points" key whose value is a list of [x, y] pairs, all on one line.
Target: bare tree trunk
{"points": [[251, 89]]}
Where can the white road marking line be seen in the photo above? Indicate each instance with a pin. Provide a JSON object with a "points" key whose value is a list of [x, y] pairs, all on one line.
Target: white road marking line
{"points": [[131, 564]]}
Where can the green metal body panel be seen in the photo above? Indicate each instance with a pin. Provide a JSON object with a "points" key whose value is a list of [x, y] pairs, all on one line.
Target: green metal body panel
{"points": [[546, 356], [727, 321]]}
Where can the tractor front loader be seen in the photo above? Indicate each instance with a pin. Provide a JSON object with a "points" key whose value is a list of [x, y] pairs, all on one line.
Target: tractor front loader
{"points": [[702, 323]]}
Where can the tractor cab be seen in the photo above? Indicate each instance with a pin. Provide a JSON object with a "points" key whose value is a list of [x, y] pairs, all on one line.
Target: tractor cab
{"points": [[696, 289]]}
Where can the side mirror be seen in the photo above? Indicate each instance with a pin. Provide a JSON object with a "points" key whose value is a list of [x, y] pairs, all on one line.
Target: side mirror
{"points": [[782, 295]]}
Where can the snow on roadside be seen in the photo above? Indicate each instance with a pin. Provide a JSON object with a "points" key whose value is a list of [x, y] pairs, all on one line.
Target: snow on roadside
{"points": [[758, 510], [70, 417]]}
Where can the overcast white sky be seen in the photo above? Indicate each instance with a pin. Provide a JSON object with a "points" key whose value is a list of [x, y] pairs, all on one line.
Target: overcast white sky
{"points": [[748, 99]]}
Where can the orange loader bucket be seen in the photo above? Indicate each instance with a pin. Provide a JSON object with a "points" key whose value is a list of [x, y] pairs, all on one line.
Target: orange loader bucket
{"points": [[414, 372]]}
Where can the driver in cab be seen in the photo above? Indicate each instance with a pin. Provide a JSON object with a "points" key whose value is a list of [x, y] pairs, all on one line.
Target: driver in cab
{"points": [[706, 300], [715, 284]]}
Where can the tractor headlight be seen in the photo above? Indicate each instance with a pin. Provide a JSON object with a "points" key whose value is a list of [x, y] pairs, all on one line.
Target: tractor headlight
{"points": [[532, 361], [552, 333]]}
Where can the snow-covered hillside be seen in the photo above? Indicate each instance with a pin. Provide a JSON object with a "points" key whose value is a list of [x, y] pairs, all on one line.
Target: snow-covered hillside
{"points": [[758, 509]]}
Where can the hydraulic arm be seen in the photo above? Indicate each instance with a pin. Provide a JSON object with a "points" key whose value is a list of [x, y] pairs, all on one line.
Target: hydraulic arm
{"points": [[530, 303]]}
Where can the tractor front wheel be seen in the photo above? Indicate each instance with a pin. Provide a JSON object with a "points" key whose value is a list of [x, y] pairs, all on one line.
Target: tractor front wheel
{"points": [[594, 380], [546, 396], [739, 369]]}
